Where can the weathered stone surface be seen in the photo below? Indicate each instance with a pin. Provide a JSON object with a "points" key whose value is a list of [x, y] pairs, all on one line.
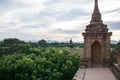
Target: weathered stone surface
{"points": [[94, 74], [99, 74], [118, 60], [116, 70], [79, 75], [97, 40]]}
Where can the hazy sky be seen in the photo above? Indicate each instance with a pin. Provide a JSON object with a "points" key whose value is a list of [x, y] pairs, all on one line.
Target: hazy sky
{"points": [[54, 19]]}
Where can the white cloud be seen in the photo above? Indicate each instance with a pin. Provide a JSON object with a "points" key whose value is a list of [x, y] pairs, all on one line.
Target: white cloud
{"points": [[49, 19], [109, 5], [116, 35]]}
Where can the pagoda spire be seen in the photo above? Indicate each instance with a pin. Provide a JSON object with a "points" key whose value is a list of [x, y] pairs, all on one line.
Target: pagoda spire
{"points": [[96, 16]]}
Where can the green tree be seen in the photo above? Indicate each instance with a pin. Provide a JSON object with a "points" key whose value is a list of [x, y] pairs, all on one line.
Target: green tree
{"points": [[10, 46], [11, 41], [115, 54], [51, 64], [42, 43]]}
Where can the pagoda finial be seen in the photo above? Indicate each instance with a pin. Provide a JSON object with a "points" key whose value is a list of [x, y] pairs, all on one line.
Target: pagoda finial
{"points": [[96, 16]]}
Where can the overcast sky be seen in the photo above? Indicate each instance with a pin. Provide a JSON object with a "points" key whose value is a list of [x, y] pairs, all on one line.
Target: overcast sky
{"points": [[54, 19]]}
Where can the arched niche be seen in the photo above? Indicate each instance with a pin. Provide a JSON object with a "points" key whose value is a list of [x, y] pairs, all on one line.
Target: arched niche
{"points": [[96, 53]]}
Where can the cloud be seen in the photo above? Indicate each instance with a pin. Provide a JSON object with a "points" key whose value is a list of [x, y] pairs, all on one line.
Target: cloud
{"points": [[54, 19], [114, 25], [116, 35], [10, 6], [63, 31]]}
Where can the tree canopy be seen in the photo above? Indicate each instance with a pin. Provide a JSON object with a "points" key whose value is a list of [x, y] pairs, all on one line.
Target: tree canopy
{"points": [[49, 65]]}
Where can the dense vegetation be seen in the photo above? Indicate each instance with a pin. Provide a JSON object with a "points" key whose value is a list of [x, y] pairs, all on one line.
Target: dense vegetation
{"points": [[36, 61], [115, 53], [13, 45]]}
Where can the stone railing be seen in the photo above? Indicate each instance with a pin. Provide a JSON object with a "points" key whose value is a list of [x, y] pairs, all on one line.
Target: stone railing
{"points": [[80, 74], [116, 71]]}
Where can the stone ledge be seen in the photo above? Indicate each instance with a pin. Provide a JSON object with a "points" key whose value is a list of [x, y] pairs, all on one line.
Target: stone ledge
{"points": [[79, 74], [116, 71]]}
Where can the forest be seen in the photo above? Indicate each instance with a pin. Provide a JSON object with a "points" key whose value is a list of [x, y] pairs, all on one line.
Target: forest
{"points": [[20, 60]]}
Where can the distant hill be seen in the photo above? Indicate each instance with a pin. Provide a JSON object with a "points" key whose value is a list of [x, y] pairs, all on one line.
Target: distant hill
{"points": [[114, 42], [52, 41]]}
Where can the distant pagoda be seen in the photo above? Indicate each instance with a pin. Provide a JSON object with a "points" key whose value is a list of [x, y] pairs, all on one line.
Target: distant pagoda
{"points": [[71, 45]]}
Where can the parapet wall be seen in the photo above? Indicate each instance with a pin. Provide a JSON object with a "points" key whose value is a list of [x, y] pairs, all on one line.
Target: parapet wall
{"points": [[80, 74], [116, 70]]}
